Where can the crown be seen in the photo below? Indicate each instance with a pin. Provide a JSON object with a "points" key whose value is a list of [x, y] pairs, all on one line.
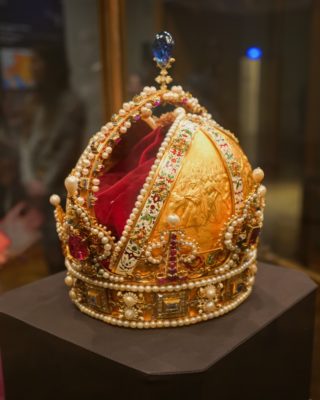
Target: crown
{"points": [[163, 213]]}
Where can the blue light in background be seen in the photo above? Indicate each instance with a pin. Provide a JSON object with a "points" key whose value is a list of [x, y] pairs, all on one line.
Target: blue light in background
{"points": [[254, 53]]}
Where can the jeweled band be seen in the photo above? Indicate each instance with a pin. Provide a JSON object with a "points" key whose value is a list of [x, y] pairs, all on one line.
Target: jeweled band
{"points": [[154, 306]]}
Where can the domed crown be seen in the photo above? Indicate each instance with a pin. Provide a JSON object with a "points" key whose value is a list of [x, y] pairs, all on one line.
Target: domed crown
{"points": [[163, 213]]}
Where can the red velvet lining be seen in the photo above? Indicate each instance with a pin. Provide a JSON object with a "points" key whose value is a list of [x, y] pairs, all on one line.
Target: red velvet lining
{"points": [[120, 185]]}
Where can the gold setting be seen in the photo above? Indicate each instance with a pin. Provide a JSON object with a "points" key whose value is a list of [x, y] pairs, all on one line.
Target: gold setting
{"points": [[163, 79]]}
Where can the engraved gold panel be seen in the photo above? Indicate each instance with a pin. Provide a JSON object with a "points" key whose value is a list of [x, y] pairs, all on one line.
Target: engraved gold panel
{"points": [[201, 195]]}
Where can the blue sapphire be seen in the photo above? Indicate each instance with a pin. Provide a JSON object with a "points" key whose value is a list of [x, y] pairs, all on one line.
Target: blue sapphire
{"points": [[162, 47]]}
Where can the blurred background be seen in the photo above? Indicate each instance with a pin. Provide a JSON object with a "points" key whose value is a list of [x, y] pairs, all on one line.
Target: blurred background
{"points": [[66, 65]]}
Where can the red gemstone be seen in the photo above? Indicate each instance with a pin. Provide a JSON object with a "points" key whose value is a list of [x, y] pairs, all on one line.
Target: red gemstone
{"points": [[173, 251], [78, 248], [254, 235], [162, 281], [105, 263]]}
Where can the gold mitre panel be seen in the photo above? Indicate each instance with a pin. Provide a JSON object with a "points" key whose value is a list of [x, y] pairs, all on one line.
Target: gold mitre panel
{"points": [[203, 194]]}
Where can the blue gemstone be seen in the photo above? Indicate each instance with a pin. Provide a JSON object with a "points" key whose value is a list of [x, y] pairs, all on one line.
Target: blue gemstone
{"points": [[162, 47]]}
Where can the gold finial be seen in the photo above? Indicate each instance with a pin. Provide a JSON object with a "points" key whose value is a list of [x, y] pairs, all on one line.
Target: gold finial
{"points": [[163, 79]]}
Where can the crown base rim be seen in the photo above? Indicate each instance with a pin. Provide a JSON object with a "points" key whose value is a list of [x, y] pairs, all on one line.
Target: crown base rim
{"points": [[169, 323], [141, 309]]}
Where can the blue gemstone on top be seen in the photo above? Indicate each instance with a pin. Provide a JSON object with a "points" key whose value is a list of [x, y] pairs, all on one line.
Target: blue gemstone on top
{"points": [[162, 47]]}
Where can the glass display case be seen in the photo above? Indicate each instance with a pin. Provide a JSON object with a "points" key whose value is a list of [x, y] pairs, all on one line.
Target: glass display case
{"points": [[249, 64], [67, 65]]}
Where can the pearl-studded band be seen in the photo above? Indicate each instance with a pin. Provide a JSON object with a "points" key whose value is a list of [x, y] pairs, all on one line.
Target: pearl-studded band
{"points": [[173, 323], [71, 267]]}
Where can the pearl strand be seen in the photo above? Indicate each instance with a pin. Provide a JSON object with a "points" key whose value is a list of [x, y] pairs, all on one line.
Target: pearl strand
{"points": [[96, 230], [146, 186], [160, 288], [146, 100], [238, 220]]}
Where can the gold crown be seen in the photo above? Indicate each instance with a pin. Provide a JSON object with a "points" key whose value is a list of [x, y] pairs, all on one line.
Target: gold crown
{"points": [[163, 214]]}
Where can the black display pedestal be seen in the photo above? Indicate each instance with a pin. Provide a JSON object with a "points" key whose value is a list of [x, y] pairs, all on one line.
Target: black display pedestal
{"points": [[260, 351]]}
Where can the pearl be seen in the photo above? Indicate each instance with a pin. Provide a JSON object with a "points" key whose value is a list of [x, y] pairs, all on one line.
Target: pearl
{"points": [[80, 200], [251, 280], [71, 184], [179, 111], [253, 268], [257, 175], [55, 200], [129, 300], [174, 96], [173, 219], [145, 112], [85, 171], [68, 280], [262, 190], [210, 292], [72, 294]]}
